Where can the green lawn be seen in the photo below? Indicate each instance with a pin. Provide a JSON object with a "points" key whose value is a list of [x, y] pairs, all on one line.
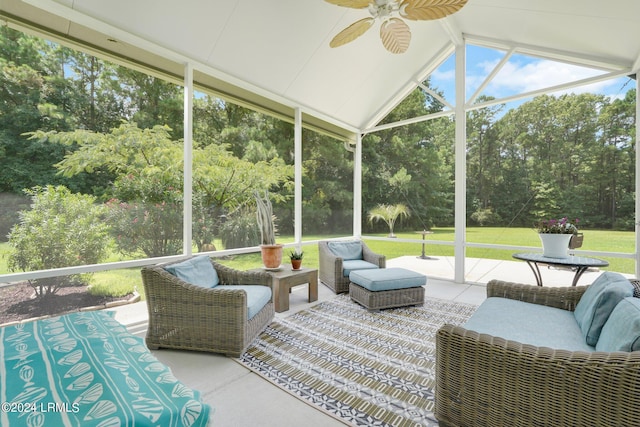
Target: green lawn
{"points": [[121, 282], [596, 240]]}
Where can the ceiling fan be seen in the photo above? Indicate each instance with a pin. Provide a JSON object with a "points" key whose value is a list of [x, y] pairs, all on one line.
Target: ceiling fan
{"points": [[394, 32]]}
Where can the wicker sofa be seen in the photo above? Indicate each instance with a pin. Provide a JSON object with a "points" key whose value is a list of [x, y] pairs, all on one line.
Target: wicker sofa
{"points": [[484, 380], [332, 267], [190, 317]]}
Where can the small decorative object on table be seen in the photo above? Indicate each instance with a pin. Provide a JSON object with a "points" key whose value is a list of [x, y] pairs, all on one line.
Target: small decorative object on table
{"points": [[296, 259], [555, 235], [271, 252]]}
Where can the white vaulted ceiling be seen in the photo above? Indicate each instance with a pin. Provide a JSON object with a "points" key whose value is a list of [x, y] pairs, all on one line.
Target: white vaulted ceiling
{"points": [[276, 52]]}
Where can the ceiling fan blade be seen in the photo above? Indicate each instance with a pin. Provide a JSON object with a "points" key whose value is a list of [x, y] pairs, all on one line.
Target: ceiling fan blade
{"points": [[352, 32], [354, 4], [425, 10], [395, 35]]}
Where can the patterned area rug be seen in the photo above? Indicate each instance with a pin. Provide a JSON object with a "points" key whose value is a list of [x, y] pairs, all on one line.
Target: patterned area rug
{"points": [[364, 368]]}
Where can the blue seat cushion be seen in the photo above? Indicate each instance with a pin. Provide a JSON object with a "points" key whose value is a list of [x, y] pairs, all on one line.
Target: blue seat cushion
{"points": [[257, 296], [197, 271], [386, 279], [598, 301], [528, 323], [348, 250], [622, 330], [356, 264]]}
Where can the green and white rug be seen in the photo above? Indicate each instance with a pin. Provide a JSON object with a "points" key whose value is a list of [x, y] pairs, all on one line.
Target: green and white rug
{"points": [[364, 368]]}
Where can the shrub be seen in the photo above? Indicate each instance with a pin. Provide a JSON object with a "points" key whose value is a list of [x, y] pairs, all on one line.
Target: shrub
{"points": [[10, 205], [61, 229], [155, 229], [484, 217], [146, 215], [240, 230]]}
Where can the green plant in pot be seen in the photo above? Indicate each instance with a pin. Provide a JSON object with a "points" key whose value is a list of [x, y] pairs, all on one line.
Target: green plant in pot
{"points": [[271, 252], [296, 259]]}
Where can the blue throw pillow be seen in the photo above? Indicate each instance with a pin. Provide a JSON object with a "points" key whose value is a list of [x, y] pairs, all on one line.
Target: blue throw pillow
{"points": [[597, 303], [622, 330], [197, 271], [346, 250]]}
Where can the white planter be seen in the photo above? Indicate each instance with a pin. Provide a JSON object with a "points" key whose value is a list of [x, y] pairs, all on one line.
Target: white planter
{"points": [[555, 245]]}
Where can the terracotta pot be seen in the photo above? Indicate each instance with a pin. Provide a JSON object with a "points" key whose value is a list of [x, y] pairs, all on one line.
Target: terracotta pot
{"points": [[296, 263], [271, 255]]}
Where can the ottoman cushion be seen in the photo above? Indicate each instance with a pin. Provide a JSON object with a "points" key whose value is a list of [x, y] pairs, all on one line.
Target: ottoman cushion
{"points": [[385, 279]]}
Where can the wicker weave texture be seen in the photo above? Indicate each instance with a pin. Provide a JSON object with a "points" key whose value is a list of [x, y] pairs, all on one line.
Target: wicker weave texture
{"points": [[330, 266], [188, 317], [386, 299], [483, 380]]}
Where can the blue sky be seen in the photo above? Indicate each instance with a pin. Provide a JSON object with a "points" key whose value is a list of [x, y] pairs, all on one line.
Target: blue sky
{"points": [[521, 74]]}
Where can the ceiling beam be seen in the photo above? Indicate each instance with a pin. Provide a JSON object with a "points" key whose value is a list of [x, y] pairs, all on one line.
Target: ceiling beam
{"points": [[552, 89], [491, 76], [430, 66]]}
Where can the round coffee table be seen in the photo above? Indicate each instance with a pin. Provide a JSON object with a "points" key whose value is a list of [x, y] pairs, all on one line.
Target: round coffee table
{"points": [[579, 263]]}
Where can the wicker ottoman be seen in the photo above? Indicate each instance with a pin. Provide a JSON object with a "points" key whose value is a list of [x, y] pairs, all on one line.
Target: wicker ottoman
{"points": [[387, 288]]}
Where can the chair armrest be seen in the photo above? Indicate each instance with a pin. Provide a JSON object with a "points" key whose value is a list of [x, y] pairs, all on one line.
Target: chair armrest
{"points": [[328, 262], [486, 380], [372, 257], [231, 276], [167, 293], [565, 298]]}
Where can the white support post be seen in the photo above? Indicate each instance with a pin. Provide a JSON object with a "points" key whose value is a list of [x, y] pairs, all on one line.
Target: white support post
{"points": [[187, 229], [637, 266], [357, 188], [460, 166], [297, 148]]}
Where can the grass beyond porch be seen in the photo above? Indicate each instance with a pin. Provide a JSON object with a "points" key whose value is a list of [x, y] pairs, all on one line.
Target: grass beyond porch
{"points": [[120, 282]]}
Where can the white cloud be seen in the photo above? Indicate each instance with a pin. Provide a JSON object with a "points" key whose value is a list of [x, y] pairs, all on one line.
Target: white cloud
{"points": [[521, 77]]}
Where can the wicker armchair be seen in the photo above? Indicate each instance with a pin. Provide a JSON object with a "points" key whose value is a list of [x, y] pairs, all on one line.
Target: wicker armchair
{"points": [[483, 380], [331, 271], [189, 317]]}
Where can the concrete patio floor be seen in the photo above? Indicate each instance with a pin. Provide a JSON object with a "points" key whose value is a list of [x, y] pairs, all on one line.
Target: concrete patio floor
{"points": [[241, 398]]}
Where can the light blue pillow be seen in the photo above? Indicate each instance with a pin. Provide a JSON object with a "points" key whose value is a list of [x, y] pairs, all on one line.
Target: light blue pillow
{"points": [[622, 330], [346, 250], [197, 271], [597, 303]]}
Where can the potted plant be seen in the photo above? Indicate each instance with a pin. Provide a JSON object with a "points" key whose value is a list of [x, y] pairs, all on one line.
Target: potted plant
{"points": [[555, 235], [271, 252], [296, 259]]}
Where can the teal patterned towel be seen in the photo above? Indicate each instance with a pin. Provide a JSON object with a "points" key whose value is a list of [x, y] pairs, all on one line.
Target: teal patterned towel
{"points": [[85, 369]]}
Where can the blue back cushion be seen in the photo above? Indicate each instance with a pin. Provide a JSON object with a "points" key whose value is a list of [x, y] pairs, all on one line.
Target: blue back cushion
{"points": [[346, 250], [622, 330], [597, 303], [197, 271]]}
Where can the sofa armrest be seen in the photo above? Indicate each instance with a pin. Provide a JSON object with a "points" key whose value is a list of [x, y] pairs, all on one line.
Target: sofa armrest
{"points": [[486, 380], [565, 298], [372, 257]]}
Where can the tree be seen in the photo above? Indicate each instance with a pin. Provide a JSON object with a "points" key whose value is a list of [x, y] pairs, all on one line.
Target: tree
{"points": [[147, 165], [61, 229], [422, 150], [389, 214]]}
